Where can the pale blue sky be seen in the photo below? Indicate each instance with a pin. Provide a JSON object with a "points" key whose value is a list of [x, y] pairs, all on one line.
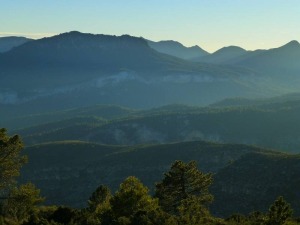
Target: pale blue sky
{"points": [[211, 24]]}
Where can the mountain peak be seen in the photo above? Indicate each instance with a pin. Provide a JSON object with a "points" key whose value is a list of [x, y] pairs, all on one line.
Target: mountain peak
{"points": [[73, 32], [195, 47], [230, 49], [292, 44], [177, 49]]}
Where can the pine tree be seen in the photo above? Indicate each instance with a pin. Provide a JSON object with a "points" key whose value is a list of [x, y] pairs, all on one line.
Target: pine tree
{"points": [[132, 203], [22, 202], [182, 182], [131, 198], [10, 159], [100, 198], [279, 212]]}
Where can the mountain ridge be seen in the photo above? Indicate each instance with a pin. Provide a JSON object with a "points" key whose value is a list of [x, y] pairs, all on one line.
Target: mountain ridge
{"points": [[109, 165], [10, 42], [223, 55], [112, 69], [177, 49]]}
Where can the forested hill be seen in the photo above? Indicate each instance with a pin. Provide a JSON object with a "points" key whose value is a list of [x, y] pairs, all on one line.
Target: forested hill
{"points": [[60, 168], [273, 125]]}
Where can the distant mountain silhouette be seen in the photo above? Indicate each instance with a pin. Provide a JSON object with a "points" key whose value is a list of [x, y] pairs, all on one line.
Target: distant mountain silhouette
{"points": [[66, 57], [176, 49], [83, 50], [282, 61], [76, 69], [223, 55], [7, 43], [70, 55]]}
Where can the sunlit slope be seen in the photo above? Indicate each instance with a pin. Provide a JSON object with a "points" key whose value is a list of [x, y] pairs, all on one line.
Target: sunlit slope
{"points": [[274, 125]]}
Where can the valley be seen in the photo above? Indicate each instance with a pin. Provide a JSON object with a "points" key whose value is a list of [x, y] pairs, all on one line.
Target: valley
{"points": [[94, 110]]}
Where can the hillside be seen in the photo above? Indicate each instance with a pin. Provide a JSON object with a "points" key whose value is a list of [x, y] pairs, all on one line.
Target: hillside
{"points": [[251, 182], [94, 164], [14, 118], [222, 56], [272, 125], [76, 52], [7, 43], [279, 61], [79, 70], [176, 49], [264, 103], [59, 168], [281, 64]]}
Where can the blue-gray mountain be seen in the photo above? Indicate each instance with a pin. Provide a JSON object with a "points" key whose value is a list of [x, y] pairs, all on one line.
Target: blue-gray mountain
{"points": [[7, 43], [75, 69], [176, 49], [222, 56]]}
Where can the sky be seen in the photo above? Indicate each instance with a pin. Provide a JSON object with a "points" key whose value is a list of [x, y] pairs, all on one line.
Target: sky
{"points": [[211, 24]]}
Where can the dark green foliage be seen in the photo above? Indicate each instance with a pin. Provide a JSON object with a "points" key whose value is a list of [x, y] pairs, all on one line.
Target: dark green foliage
{"points": [[257, 218], [131, 204], [10, 159], [22, 202], [237, 218], [279, 212], [272, 124], [131, 198], [82, 162], [87, 163], [243, 187], [63, 215], [100, 199], [182, 185], [191, 211], [54, 216]]}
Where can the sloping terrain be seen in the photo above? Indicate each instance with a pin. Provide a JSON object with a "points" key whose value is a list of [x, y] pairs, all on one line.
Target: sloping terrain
{"points": [[223, 55], [273, 125], [7, 43], [177, 49], [14, 118], [76, 70], [282, 61], [255, 180], [59, 167], [68, 172]]}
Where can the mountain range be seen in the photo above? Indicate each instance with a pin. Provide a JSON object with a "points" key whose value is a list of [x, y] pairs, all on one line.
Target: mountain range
{"points": [[94, 109], [109, 69]]}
